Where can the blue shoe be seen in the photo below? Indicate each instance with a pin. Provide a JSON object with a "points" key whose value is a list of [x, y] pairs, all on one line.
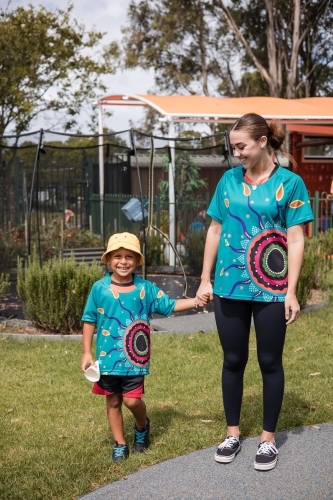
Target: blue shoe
{"points": [[141, 438], [120, 452]]}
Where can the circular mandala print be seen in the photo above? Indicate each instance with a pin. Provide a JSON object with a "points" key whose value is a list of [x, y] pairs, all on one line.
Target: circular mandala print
{"points": [[267, 261], [137, 343]]}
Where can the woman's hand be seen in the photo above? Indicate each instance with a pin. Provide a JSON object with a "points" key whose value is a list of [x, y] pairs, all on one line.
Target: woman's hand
{"points": [[204, 290], [292, 308]]}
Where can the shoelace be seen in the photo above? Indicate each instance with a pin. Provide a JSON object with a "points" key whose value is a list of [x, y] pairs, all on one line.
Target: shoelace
{"points": [[229, 442], [119, 451], [267, 448], [140, 435]]}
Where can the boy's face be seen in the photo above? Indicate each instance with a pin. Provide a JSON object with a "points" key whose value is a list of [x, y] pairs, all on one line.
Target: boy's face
{"points": [[123, 263]]}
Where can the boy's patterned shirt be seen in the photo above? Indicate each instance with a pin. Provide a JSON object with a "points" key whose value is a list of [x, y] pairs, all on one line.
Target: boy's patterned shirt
{"points": [[123, 341], [252, 259]]}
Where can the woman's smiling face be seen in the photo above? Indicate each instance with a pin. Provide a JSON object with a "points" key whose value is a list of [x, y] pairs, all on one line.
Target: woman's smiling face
{"points": [[249, 151]]}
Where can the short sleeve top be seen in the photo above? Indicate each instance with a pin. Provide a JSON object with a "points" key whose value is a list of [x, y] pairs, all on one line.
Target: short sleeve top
{"points": [[123, 341], [252, 259]]}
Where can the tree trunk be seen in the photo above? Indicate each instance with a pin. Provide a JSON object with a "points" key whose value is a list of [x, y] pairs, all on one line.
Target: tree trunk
{"points": [[274, 88], [292, 71]]}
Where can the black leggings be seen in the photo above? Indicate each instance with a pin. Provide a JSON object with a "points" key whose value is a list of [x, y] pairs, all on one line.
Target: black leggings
{"points": [[233, 320]]}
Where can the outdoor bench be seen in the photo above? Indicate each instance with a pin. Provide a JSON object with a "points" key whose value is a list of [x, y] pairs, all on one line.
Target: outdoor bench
{"points": [[87, 255]]}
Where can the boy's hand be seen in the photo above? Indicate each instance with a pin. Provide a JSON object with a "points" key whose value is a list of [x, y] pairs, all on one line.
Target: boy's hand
{"points": [[86, 361], [203, 299]]}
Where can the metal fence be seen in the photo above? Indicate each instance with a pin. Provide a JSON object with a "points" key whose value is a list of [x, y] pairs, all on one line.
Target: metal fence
{"points": [[49, 176], [59, 177]]}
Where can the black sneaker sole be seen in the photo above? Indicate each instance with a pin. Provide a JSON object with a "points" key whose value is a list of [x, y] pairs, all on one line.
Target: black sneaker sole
{"points": [[226, 460], [119, 459]]}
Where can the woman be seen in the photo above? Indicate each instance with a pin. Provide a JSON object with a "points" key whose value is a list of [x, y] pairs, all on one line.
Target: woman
{"points": [[256, 238]]}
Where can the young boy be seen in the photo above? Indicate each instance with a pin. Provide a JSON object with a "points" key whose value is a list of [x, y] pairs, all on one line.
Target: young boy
{"points": [[119, 308]]}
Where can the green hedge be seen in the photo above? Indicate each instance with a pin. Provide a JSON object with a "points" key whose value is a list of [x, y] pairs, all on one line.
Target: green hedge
{"points": [[4, 284], [54, 295], [310, 272], [11, 245]]}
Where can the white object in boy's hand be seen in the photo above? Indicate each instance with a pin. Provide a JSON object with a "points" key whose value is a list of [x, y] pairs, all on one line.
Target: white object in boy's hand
{"points": [[92, 372]]}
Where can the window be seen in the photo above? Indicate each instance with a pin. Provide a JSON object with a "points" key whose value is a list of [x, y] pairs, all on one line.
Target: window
{"points": [[319, 148]]}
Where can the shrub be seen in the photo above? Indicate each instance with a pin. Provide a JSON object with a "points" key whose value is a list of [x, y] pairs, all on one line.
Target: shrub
{"points": [[54, 295], [195, 246], [11, 245], [326, 242], [4, 284], [55, 234], [310, 272], [154, 250]]}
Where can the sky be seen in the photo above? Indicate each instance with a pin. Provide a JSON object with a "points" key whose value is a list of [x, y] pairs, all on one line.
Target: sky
{"points": [[107, 16]]}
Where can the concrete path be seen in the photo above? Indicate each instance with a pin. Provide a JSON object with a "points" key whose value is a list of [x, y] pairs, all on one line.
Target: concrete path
{"points": [[304, 472], [193, 323]]}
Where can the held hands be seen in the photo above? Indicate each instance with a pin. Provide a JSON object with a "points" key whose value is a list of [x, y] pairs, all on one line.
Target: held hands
{"points": [[202, 301], [204, 293], [86, 361], [292, 308]]}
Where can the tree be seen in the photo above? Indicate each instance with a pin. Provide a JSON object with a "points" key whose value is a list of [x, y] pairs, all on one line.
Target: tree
{"points": [[187, 181], [237, 48], [45, 65], [289, 43], [181, 41]]}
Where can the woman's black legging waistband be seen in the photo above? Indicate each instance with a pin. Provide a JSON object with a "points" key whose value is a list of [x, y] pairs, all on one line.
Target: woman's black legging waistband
{"points": [[233, 320]]}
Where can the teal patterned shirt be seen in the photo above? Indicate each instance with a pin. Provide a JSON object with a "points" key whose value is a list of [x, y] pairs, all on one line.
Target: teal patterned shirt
{"points": [[123, 341], [252, 259]]}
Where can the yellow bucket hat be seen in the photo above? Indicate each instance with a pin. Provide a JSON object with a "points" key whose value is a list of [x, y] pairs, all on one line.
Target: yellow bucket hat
{"points": [[123, 240]]}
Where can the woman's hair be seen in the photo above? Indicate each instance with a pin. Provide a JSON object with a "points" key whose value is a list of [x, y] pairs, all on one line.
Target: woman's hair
{"points": [[256, 126]]}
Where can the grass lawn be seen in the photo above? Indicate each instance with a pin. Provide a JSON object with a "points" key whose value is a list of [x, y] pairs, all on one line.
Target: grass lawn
{"points": [[54, 438]]}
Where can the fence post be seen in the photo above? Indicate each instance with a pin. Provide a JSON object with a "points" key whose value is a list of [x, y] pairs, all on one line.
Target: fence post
{"points": [[158, 211], [316, 213], [17, 190]]}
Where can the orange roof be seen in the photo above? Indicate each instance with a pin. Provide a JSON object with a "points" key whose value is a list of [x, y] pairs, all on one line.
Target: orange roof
{"points": [[226, 108]]}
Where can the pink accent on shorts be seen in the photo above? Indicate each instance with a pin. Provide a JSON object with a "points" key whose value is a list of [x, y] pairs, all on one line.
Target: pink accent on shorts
{"points": [[136, 393]]}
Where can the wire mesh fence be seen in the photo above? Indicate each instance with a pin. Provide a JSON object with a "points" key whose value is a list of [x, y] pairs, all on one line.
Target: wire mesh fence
{"points": [[82, 182]]}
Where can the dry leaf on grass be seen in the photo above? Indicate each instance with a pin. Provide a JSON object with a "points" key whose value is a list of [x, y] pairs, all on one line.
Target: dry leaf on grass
{"points": [[159, 442], [9, 410], [206, 421], [315, 374], [298, 349]]}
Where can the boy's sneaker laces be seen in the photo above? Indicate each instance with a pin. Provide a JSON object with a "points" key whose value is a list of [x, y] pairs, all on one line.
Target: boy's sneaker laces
{"points": [[227, 450], [120, 452], [141, 438]]}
